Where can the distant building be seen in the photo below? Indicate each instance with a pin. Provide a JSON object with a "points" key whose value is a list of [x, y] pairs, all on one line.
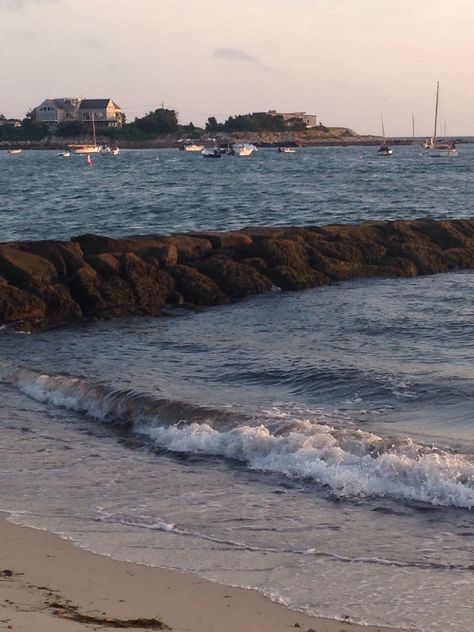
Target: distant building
{"points": [[4, 122], [309, 120], [105, 112]]}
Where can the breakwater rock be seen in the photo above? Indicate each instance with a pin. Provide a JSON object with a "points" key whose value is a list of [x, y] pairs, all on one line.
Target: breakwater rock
{"points": [[48, 283]]}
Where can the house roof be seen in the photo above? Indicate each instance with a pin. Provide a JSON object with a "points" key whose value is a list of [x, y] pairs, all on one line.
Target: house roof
{"points": [[96, 104], [64, 104]]}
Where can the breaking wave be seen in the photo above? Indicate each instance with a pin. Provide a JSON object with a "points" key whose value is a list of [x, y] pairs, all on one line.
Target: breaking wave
{"points": [[349, 462]]}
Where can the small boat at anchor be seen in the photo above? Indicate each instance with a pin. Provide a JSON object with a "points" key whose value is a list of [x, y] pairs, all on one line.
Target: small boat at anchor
{"points": [[243, 149], [87, 148], [213, 152], [384, 149], [439, 149], [286, 150], [106, 150], [191, 147], [15, 151]]}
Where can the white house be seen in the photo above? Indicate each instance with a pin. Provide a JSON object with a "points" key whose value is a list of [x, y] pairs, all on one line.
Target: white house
{"points": [[105, 112], [309, 120]]}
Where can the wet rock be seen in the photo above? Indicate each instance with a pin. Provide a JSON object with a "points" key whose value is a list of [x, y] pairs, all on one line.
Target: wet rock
{"points": [[50, 282], [151, 286], [228, 240], [288, 278], [60, 306], [91, 244], [256, 263], [197, 288], [105, 264], [84, 286], [191, 249], [166, 255], [18, 305], [281, 252], [25, 269], [67, 257], [235, 279]]}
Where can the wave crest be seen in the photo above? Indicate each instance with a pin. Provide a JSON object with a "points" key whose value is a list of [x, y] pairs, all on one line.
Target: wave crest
{"points": [[350, 462]]}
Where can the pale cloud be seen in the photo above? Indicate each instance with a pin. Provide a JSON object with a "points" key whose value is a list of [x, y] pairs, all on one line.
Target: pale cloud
{"points": [[239, 55], [235, 54]]}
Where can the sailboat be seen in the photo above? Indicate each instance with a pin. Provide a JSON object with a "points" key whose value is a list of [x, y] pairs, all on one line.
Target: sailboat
{"points": [[435, 147], [87, 148], [384, 149]]}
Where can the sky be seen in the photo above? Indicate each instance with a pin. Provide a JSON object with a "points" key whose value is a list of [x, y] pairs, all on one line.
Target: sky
{"points": [[346, 61]]}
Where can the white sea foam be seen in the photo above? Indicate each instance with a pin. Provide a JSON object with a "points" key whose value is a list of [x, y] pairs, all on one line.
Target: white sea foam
{"points": [[350, 462]]}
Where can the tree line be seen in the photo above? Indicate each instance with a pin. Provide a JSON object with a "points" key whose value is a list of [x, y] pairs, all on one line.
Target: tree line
{"points": [[156, 123]]}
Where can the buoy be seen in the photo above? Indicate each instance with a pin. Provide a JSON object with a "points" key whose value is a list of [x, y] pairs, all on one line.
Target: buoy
{"points": [[89, 160]]}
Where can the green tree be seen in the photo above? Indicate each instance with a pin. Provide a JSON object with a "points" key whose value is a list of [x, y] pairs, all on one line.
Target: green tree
{"points": [[161, 121], [70, 128], [212, 125], [256, 122], [33, 130]]}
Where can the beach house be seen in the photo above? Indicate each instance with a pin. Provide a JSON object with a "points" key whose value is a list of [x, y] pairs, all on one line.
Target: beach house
{"points": [[105, 112], [309, 120]]}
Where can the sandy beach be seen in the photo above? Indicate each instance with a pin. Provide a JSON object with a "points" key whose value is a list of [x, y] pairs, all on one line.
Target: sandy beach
{"points": [[48, 585]]}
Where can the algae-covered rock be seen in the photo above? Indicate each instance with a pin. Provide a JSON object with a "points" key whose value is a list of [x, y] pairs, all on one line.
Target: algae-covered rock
{"points": [[196, 288], [235, 279]]}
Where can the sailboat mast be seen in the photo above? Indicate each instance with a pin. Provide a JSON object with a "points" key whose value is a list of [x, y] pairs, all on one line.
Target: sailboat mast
{"points": [[413, 126], [93, 129], [436, 112], [383, 128]]}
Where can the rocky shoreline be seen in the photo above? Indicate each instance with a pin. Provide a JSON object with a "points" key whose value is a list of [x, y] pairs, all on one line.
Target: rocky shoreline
{"points": [[50, 283]]}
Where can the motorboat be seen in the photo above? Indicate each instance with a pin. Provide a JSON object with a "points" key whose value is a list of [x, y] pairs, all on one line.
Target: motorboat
{"points": [[243, 149], [106, 150], [191, 147], [286, 150], [64, 154], [213, 152], [15, 151]]}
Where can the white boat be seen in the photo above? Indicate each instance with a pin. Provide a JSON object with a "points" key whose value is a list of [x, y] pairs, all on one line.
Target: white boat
{"points": [[211, 152], [84, 149], [15, 151], [286, 150], [87, 148], [64, 154], [436, 148], [191, 147], [243, 149], [106, 150]]}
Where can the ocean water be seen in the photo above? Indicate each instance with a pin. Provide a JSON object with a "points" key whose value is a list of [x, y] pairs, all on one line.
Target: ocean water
{"points": [[316, 445]]}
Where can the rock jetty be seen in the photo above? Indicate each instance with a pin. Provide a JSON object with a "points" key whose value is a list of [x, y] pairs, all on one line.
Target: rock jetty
{"points": [[49, 283]]}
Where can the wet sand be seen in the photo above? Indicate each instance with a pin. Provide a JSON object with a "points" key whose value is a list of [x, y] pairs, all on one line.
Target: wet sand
{"points": [[49, 585]]}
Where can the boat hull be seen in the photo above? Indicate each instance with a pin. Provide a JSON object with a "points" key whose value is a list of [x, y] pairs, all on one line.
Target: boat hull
{"points": [[84, 149], [192, 148], [244, 149]]}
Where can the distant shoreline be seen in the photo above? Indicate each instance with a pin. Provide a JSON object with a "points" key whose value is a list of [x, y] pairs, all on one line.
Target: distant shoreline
{"points": [[159, 144]]}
